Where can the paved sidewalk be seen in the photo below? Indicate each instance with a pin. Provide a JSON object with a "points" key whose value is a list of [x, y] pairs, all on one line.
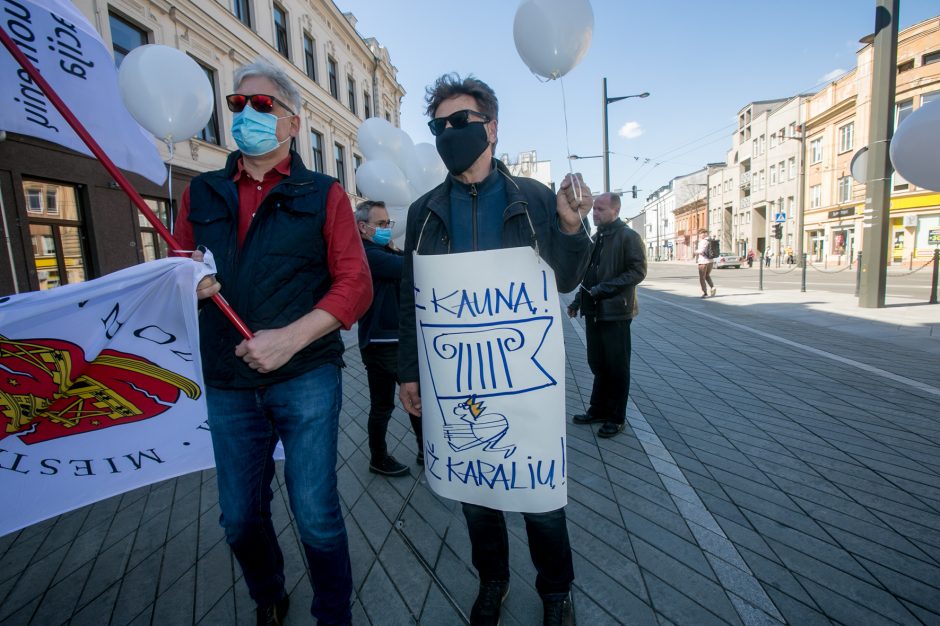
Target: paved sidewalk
{"points": [[776, 470]]}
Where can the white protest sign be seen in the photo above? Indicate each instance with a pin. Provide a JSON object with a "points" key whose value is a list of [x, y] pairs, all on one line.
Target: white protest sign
{"points": [[492, 364], [101, 390]]}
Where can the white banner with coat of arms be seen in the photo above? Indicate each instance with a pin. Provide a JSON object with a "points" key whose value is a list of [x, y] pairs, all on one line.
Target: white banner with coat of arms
{"points": [[492, 364], [101, 390]]}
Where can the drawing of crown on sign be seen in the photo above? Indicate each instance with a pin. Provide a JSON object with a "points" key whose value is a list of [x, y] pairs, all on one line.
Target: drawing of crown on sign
{"points": [[486, 360]]}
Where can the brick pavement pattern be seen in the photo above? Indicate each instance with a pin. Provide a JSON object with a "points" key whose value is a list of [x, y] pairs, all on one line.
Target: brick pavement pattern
{"points": [[758, 483]]}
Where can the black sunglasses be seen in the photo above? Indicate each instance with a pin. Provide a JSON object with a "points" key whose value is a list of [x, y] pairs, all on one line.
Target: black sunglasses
{"points": [[458, 119], [260, 102]]}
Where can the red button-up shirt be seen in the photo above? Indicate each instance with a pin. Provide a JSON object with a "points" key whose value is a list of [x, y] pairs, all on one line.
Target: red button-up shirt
{"points": [[351, 292]]}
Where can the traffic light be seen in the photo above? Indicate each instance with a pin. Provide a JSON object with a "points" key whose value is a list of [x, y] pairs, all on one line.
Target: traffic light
{"points": [[634, 191], [778, 231]]}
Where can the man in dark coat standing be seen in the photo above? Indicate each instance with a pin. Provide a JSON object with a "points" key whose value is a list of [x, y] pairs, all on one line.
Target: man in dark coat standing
{"points": [[607, 300], [378, 335]]}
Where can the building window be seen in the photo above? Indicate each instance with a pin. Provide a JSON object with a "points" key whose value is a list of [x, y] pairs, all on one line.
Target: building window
{"points": [[152, 245], [929, 97], [340, 153], [210, 133], [931, 57], [903, 110], [907, 65], [816, 150], [316, 142], [815, 196], [57, 233], [357, 161], [773, 174], [125, 36], [791, 167], [845, 189], [846, 137], [388, 116], [280, 31], [310, 57], [331, 69], [351, 93], [242, 10], [366, 105], [762, 144]]}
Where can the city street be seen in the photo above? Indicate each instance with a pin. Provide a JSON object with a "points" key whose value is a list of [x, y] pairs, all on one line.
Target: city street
{"points": [[780, 466], [903, 280]]}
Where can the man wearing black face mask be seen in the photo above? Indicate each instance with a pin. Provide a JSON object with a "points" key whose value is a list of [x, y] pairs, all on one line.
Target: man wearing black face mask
{"points": [[480, 206]]}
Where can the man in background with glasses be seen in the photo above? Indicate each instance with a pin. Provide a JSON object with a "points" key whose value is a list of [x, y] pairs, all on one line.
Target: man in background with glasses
{"points": [[291, 264], [378, 335], [480, 206]]}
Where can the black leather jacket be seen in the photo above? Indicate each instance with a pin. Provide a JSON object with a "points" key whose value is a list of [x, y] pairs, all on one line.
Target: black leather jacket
{"points": [[617, 266], [529, 219]]}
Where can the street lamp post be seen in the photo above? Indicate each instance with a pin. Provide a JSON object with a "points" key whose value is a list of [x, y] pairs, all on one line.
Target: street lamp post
{"points": [[606, 153]]}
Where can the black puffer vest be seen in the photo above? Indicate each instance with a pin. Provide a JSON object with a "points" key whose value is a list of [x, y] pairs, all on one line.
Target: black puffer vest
{"points": [[277, 276]]}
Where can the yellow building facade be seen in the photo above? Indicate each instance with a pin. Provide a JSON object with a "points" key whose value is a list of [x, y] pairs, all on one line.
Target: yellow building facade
{"points": [[836, 128]]}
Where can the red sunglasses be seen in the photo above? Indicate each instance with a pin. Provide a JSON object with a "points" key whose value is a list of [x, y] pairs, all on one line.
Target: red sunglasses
{"points": [[260, 102]]}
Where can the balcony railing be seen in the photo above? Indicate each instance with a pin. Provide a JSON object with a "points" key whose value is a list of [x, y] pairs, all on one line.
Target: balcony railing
{"points": [[746, 179]]}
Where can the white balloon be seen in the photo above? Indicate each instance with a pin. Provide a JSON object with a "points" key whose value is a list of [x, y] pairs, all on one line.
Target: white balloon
{"points": [[399, 215], [915, 147], [166, 91], [379, 139], [552, 36], [380, 179], [432, 170]]}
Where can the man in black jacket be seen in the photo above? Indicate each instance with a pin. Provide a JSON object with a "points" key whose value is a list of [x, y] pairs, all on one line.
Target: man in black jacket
{"points": [[378, 335], [481, 207], [607, 300]]}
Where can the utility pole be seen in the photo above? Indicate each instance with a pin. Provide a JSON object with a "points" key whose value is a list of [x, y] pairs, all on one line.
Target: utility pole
{"points": [[876, 219]]}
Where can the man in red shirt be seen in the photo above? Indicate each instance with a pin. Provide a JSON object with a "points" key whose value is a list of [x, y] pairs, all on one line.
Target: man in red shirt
{"points": [[291, 263]]}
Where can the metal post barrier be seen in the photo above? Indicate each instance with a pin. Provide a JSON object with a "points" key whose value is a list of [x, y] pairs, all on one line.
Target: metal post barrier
{"points": [[936, 276], [803, 283], [858, 274], [760, 273]]}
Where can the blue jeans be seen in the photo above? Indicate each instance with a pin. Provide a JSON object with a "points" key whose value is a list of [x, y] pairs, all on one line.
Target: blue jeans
{"points": [[246, 425], [548, 546]]}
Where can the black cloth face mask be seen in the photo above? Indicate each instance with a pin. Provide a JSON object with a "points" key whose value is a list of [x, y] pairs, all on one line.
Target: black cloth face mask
{"points": [[461, 147]]}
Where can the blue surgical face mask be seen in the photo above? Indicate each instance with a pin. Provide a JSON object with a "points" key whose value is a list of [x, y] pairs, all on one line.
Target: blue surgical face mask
{"points": [[256, 133], [382, 236]]}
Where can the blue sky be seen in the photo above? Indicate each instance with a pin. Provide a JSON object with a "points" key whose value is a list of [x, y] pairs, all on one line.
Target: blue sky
{"points": [[700, 61]]}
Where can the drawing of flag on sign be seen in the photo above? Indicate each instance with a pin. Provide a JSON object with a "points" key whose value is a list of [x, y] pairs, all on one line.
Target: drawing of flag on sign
{"points": [[71, 56], [486, 360], [101, 390]]}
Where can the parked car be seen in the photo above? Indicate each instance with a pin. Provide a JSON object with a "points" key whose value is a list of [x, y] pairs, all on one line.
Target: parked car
{"points": [[726, 259]]}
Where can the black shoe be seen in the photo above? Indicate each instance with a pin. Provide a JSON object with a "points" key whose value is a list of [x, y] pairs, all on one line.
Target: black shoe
{"points": [[609, 429], [420, 458], [489, 601], [558, 611], [388, 466], [587, 418], [273, 614]]}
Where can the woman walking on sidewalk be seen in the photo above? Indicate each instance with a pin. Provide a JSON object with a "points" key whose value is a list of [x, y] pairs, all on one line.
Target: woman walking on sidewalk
{"points": [[704, 265]]}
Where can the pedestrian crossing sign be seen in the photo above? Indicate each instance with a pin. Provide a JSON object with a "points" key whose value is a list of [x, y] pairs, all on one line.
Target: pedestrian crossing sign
{"points": [[780, 217]]}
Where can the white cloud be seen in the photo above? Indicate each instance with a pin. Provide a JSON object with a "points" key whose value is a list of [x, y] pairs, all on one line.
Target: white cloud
{"points": [[834, 74], [630, 130]]}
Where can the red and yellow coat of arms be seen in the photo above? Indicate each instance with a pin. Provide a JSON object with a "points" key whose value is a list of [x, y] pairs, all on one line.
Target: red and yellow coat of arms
{"points": [[48, 390]]}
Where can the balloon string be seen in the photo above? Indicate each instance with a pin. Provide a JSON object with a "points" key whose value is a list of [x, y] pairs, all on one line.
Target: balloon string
{"points": [[574, 179], [169, 184]]}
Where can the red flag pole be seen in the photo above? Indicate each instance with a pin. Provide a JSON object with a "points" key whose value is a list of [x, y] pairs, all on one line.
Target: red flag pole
{"points": [[112, 168]]}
